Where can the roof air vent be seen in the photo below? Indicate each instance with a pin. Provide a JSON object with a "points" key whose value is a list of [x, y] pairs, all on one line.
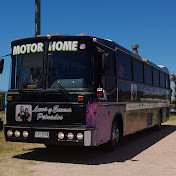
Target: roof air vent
{"points": [[135, 47]]}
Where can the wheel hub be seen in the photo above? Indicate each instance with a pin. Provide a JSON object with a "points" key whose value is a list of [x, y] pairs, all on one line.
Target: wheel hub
{"points": [[115, 135]]}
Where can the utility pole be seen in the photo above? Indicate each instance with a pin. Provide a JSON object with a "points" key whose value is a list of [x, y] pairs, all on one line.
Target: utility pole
{"points": [[37, 17]]}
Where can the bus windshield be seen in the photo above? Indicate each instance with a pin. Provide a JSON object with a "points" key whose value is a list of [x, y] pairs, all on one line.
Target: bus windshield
{"points": [[27, 71], [71, 69]]}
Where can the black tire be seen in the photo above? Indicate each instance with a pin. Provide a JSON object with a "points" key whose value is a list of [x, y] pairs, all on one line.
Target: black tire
{"points": [[158, 126], [115, 136], [50, 146], [53, 147]]}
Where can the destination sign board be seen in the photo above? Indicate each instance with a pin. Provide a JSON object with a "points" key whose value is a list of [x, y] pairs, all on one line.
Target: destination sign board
{"points": [[39, 47]]}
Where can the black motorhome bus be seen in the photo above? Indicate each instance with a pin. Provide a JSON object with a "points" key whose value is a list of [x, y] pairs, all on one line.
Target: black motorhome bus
{"points": [[82, 90]]}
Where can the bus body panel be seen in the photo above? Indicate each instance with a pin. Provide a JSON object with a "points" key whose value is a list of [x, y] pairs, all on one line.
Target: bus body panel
{"points": [[143, 117], [46, 113], [138, 103], [105, 115]]}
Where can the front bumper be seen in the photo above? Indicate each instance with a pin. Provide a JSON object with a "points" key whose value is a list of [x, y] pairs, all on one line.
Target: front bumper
{"points": [[53, 135]]}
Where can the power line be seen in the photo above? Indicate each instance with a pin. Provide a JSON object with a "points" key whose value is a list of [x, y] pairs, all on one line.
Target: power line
{"points": [[5, 55]]}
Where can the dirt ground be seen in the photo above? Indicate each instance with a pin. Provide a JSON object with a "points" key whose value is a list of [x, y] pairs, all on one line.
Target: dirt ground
{"points": [[145, 153]]}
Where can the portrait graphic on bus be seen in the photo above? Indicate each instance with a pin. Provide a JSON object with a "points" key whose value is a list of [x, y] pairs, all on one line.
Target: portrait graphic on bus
{"points": [[23, 113], [133, 92]]}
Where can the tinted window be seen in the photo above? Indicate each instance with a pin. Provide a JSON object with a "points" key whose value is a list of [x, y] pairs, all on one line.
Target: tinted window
{"points": [[70, 69], [147, 74], [111, 80], [137, 71], [167, 81], [162, 79], [27, 71], [109, 64], [155, 77], [124, 66]]}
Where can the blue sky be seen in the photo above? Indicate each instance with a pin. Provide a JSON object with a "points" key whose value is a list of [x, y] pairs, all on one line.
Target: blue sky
{"points": [[151, 24]]}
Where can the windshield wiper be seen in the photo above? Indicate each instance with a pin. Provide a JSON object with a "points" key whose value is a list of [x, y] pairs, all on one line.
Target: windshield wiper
{"points": [[59, 85], [40, 76]]}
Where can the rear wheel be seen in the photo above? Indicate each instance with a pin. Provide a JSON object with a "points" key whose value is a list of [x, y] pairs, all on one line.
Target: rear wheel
{"points": [[158, 126]]}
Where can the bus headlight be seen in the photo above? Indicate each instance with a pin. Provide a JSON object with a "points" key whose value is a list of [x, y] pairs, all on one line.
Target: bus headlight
{"points": [[79, 136], [17, 133], [9, 133], [25, 134], [61, 135], [70, 136]]}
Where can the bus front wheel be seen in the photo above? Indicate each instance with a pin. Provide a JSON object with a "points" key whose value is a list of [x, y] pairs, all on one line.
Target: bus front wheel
{"points": [[115, 136]]}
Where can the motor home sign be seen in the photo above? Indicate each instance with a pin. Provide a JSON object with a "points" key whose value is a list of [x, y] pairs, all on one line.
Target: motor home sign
{"points": [[39, 47]]}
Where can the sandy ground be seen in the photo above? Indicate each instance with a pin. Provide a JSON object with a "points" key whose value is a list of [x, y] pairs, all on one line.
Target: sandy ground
{"points": [[146, 153]]}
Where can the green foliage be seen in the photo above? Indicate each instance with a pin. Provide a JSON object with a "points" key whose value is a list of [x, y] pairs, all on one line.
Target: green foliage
{"points": [[173, 77], [173, 102], [172, 105], [2, 101]]}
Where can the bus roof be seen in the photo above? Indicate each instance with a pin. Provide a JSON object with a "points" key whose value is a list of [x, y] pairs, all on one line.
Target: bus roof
{"points": [[106, 42]]}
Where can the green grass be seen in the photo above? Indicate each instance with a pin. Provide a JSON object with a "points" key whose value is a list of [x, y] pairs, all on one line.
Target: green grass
{"points": [[172, 117], [2, 112]]}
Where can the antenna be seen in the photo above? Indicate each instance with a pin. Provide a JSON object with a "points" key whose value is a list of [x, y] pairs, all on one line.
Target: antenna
{"points": [[37, 17]]}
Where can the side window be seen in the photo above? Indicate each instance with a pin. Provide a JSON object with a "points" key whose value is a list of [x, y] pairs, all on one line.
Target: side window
{"points": [[167, 81], [99, 64], [124, 66], [137, 71], [162, 80], [110, 77], [110, 64], [155, 77], [147, 74]]}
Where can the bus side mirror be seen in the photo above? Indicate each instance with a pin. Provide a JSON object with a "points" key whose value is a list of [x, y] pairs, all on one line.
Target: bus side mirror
{"points": [[1, 65]]}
